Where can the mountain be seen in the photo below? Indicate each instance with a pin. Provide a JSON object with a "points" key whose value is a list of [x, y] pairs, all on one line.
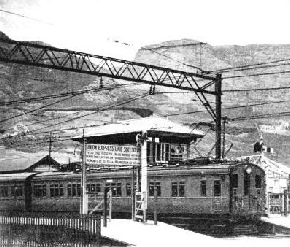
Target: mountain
{"points": [[30, 131], [244, 104]]}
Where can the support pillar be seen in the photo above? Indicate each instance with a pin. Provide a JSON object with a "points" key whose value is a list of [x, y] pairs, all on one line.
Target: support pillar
{"points": [[144, 182], [218, 120], [84, 199]]}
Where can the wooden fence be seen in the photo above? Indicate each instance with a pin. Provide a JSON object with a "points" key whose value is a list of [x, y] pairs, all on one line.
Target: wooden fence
{"points": [[48, 229]]}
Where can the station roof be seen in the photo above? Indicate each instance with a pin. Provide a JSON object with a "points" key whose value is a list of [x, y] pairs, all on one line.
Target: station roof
{"points": [[152, 125], [26, 164]]}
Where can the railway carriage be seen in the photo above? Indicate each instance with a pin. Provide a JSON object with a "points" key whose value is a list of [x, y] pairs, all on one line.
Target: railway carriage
{"points": [[230, 188]]}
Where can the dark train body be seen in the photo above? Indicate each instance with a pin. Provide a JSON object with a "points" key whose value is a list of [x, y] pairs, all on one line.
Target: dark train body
{"points": [[218, 189]]}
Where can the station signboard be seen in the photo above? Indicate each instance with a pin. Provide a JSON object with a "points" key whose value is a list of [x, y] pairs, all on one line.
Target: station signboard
{"points": [[100, 155]]}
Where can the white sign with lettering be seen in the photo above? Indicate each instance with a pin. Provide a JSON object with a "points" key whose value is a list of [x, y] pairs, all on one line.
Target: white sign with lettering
{"points": [[112, 155]]}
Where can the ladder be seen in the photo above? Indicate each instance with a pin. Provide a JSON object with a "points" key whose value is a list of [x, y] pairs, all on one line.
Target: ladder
{"points": [[140, 211]]}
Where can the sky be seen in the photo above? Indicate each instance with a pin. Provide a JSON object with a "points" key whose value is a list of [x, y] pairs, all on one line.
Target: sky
{"points": [[94, 26]]}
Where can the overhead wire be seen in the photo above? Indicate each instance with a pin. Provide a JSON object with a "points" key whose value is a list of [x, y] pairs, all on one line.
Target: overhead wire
{"points": [[91, 113]]}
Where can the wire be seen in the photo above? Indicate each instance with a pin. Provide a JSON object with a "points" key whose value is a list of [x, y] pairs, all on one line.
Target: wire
{"points": [[97, 90], [254, 89], [41, 98], [23, 16], [34, 110], [254, 64], [258, 74], [166, 56], [101, 109]]}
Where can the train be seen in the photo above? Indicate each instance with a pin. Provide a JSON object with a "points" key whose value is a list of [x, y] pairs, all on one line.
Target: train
{"points": [[226, 189]]}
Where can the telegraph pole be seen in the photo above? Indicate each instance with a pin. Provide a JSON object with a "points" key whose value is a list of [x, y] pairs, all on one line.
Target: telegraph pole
{"points": [[84, 200], [50, 144], [218, 120]]}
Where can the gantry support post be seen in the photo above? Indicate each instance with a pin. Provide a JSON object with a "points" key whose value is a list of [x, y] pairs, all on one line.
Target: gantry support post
{"points": [[144, 181], [218, 120]]}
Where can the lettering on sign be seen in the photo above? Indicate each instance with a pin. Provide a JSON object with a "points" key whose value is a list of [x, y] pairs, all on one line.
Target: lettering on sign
{"points": [[112, 155]]}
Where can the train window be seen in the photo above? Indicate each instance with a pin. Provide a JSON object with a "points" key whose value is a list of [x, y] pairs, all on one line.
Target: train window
{"points": [[177, 189], [56, 190], [203, 188], [74, 189], [235, 180], [246, 183], [93, 188], [174, 190], [128, 189], [4, 191], [217, 188], [116, 189], [39, 190], [181, 189], [178, 152], [258, 181], [151, 188], [17, 190], [157, 152]]}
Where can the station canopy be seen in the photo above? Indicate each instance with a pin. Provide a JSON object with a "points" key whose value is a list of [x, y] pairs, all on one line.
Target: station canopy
{"points": [[126, 131]]}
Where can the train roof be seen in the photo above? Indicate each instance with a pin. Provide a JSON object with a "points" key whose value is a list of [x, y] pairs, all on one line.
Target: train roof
{"points": [[218, 168], [16, 176], [149, 124]]}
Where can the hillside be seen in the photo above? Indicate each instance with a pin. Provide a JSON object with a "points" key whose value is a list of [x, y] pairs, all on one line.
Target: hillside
{"points": [[29, 131], [242, 134]]}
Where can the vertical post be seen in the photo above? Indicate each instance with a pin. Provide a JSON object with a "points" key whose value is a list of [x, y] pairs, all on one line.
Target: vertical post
{"points": [[110, 204], [285, 203], [224, 137], [84, 200], [144, 173], [50, 144], [218, 91], [133, 193], [105, 206], [155, 205]]}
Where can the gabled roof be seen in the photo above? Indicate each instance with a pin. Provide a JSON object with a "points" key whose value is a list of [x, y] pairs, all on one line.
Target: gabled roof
{"points": [[267, 164], [26, 164], [153, 124]]}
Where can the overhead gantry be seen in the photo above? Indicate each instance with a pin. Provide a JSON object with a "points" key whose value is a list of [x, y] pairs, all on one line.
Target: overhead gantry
{"points": [[201, 83]]}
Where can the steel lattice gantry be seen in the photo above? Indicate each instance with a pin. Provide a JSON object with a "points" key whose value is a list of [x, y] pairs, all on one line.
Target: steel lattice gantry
{"points": [[27, 53]]}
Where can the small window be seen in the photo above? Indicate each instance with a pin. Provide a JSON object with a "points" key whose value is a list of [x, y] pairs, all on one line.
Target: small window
{"points": [[56, 190], [217, 188], [258, 181], [116, 189], [17, 191], [174, 189], [93, 188], [151, 188], [235, 180], [4, 191], [74, 190], [39, 190], [128, 189], [246, 183], [177, 189], [203, 188], [181, 189]]}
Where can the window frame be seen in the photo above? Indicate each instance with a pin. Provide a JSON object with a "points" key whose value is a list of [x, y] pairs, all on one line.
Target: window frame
{"points": [[152, 184], [56, 190], [203, 189], [217, 187], [73, 189], [39, 190]]}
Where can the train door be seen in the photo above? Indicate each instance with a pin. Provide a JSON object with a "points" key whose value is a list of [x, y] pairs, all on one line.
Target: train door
{"points": [[247, 194]]}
